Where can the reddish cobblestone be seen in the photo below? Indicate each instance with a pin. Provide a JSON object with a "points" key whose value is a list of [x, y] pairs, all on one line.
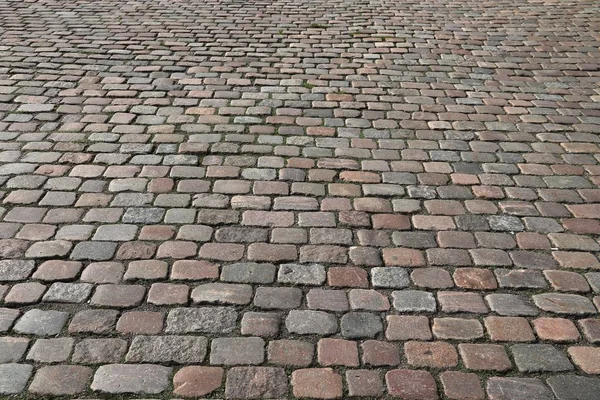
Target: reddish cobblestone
{"points": [[319, 383], [410, 384], [331, 352]]}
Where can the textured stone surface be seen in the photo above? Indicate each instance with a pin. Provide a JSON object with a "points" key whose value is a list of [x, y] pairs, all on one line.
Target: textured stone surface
{"points": [[572, 387], [14, 377], [297, 274], [540, 357], [121, 378], [202, 319], [517, 388], [256, 383], [311, 322], [61, 380], [15, 270], [320, 383], [164, 349], [318, 199], [42, 323]]}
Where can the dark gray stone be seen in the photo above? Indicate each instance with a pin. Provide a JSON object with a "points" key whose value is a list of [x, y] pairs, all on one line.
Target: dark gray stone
{"points": [[97, 251], [573, 387], [278, 297], [418, 240], [540, 358], [517, 389], [563, 303], [505, 223], [248, 273], [241, 235], [470, 222], [511, 305], [358, 325], [532, 259]]}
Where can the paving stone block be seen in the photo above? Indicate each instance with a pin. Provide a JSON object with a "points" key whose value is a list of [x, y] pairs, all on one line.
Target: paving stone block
{"points": [[516, 388], [140, 378], [41, 323], [201, 319], [60, 380], [99, 351], [165, 349], [540, 358], [256, 382]]}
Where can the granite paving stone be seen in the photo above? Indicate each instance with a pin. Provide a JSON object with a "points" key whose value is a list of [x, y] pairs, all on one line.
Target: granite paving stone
{"points": [[314, 199], [139, 378]]}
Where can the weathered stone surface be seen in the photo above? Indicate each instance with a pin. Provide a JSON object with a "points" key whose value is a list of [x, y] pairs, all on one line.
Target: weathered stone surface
{"points": [[61, 380], [62, 292], [51, 350], [517, 388], [41, 323], [540, 358], [572, 387], [560, 303], [357, 325], [14, 377], [222, 293], [298, 274], [98, 251], [237, 351], [511, 305], [7, 317], [389, 199], [194, 381], [394, 278], [248, 273], [140, 378], [53, 248], [311, 322], [256, 383], [99, 351], [12, 349], [165, 349], [413, 300], [202, 320], [15, 270]]}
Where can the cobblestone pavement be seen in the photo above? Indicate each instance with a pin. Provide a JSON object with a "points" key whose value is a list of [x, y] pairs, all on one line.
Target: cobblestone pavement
{"points": [[300, 199]]}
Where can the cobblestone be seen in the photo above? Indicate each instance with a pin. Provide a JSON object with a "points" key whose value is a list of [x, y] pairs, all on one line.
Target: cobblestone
{"points": [[320, 199]]}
